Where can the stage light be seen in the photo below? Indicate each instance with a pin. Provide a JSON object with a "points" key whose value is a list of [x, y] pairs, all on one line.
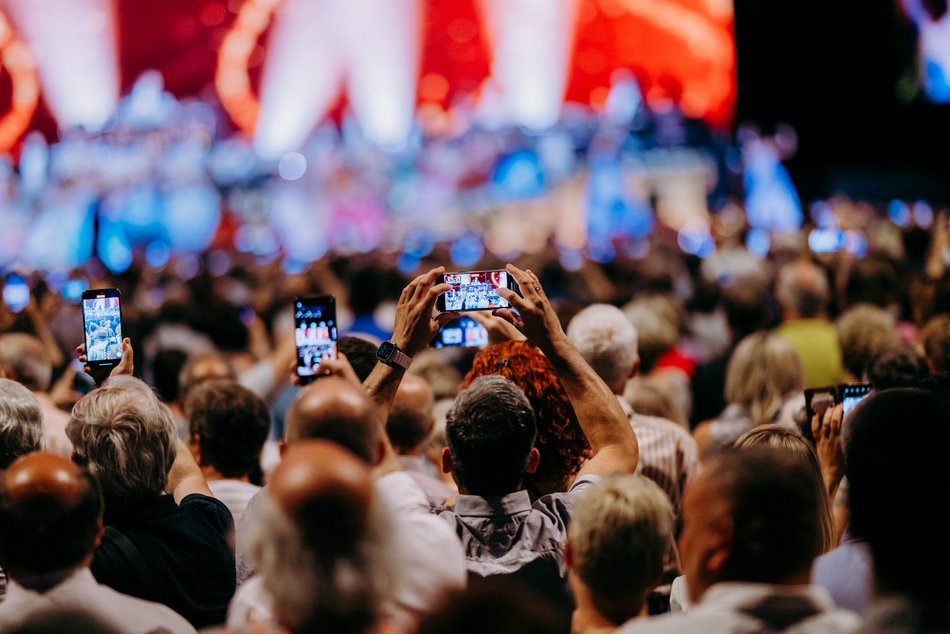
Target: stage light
{"points": [[74, 44], [16, 60], [292, 166], [531, 44], [301, 78]]}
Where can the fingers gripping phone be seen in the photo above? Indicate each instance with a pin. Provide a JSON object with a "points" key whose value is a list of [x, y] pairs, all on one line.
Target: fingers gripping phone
{"points": [[102, 323], [475, 290], [463, 332], [315, 333]]}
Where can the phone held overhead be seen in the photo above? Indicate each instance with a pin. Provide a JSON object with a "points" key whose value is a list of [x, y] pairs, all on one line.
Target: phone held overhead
{"points": [[102, 324]]}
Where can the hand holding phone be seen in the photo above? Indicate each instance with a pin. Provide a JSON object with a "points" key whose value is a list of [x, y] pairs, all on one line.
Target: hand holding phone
{"points": [[102, 325], [474, 290], [315, 334]]}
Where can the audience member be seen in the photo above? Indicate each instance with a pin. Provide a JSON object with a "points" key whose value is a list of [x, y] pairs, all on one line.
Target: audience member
{"points": [[907, 535], [360, 352], [322, 542], [229, 424], [25, 360], [619, 537], [763, 385], [50, 523], [935, 342], [171, 548], [751, 531], [608, 342], [864, 331], [802, 293], [499, 607], [900, 366], [409, 427]]}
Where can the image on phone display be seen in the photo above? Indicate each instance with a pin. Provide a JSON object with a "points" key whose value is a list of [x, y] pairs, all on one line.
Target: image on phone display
{"points": [[315, 333], [851, 395], [102, 320], [463, 332], [16, 292], [475, 291]]}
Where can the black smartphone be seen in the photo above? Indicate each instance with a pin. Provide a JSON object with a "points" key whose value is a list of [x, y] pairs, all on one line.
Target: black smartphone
{"points": [[475, 290], [16, 292], [819, 399], [102, 323], [463, 332], [315, 331], [851, 394]]}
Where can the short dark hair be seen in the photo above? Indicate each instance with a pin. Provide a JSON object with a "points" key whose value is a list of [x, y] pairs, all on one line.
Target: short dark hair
{"points": [[899, 366], [490, 431], [408, 428], [775, 510], [360, 353], [58, 540], [231, 423], [895, 453]]}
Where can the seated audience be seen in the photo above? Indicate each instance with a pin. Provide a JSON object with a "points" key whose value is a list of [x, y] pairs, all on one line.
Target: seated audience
{"points": [[166, 537], [763, 385], [751, 531], [50, 523], [618, 540], [803, 295], [410, 424], [25, 360], [864, 331], [322, 542], [228, 425]]}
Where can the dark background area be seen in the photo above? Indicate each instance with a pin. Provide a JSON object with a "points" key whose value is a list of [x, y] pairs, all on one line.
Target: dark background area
{"points": [[830, 69]]}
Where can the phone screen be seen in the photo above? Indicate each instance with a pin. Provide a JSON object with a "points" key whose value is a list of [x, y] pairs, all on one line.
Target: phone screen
{"points": [[463, 332], [16, 293], [851, 395], [477, 290], [315, 332], [102, 321]]}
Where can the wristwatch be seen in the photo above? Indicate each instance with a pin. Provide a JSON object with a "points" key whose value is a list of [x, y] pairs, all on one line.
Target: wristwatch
{"points": [[390, 354]]}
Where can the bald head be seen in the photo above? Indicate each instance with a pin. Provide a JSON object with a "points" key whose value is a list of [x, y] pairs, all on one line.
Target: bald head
{"points": [[50, 513], [411, 419], [336, 410], [802, 289], [24, 359], [327, 491]]}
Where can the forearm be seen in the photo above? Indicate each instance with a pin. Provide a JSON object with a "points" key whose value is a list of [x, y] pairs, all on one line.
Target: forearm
{"points": [[185, 476], [598, 411]]}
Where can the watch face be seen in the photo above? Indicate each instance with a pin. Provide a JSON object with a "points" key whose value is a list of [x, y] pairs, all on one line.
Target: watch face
{"points": [[386, 350]]}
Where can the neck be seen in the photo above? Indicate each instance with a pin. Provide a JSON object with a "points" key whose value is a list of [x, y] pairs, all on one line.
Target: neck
{"points": [[586, 618], [43, 582], [210, 473]]}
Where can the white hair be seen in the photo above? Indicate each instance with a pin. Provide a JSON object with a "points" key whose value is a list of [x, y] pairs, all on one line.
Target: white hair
{"points": [[607, 341], [25, 356], [21, 422], [126, 436], [803, 287], [307, 586]]}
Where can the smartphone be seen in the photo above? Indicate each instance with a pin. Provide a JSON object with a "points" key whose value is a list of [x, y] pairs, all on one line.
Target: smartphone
{"points": [[819, 399], [463, 332], [315, 332], [475, 290], [16, 292], [852, 394], [102, 323], [73, 289]]}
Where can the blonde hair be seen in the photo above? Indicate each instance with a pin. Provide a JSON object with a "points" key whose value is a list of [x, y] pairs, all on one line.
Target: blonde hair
{"points": [[792, 441], [763, 372]]}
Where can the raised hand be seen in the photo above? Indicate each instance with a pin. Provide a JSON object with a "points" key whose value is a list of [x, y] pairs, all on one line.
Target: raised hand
{"points": [[415, 325], [100, 374], [535, 317]]}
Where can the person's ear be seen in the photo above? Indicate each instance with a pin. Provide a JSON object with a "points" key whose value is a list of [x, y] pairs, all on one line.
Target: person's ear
{"points": [[636, 366], [719, 547], [194, 445], [282, 448], [380, 453], [447, 464], [534, 458]]}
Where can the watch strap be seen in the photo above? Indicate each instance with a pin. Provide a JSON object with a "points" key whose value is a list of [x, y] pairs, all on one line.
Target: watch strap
{"points": [[399, 358]]}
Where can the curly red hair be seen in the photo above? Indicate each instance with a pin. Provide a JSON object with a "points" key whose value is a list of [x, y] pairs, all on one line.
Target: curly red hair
{"points": [[560, 440]]}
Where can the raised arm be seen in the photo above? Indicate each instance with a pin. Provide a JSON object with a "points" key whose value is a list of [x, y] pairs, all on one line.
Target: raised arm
{"points": [[185, 476], [604, 423]]}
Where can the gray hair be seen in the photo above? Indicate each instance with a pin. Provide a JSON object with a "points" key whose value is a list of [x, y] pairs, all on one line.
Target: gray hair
{"points": [[126, 436], [802, 287], [607, 341], [620, 533], [307, 586], [21, 422], [26, 357], [864, 331], [762, 374]]}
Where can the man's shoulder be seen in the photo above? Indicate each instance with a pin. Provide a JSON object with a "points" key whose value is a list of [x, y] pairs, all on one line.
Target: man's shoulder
{"points": [[663, 426]]}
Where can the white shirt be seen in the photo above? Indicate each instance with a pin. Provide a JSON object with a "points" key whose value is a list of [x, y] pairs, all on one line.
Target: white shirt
{"points": [[81, 593], [429, 557], [750, 608], [235, 494]]}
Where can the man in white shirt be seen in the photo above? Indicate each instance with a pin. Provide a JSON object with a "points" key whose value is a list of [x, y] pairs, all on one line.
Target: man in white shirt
{"points": [[50, 523]]}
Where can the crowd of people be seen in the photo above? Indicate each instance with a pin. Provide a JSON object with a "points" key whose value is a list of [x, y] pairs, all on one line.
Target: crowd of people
{"points": [[631, 452]]}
